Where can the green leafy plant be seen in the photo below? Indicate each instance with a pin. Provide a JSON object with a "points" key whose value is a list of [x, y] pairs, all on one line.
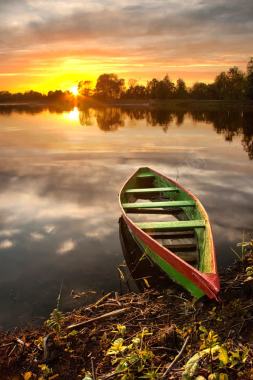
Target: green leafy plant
{"points": [[45, 370], [215, 356], [134, 360], [238, 357], [152, 374], [55, 319], [245, 246], [192, 364], [54, 322], [87, 376], [208, 338]]}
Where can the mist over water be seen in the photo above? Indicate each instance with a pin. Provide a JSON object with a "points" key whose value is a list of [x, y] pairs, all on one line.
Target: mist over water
{"points": [[60, 175]]}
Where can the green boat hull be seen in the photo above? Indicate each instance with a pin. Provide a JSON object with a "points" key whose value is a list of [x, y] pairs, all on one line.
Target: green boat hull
{"points": [[149, 192]]}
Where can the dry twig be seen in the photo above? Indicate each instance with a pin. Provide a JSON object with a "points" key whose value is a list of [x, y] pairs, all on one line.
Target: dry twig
{"points": [[177, 357], [103, 316]]}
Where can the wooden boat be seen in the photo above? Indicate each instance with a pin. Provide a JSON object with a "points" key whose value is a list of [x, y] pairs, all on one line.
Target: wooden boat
{"points": [[179, 237]]}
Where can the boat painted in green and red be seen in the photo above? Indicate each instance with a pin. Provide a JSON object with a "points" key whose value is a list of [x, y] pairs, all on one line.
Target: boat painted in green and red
{"points": [[178, 238]]}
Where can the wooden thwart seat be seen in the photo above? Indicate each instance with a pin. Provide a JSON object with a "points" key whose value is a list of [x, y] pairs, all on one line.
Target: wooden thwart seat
{"points": [[152, 190], [189, 257], [155, 211], [159, 204], [175, 225], [188, 234], [178, 247]]}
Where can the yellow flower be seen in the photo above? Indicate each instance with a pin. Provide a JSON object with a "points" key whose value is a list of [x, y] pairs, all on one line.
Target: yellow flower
{"points": [[136, 340], [121, 329], [116, 347]]}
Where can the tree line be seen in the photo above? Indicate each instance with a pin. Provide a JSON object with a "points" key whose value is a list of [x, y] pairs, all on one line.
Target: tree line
{"points": [[57, 96], [233, 84]]}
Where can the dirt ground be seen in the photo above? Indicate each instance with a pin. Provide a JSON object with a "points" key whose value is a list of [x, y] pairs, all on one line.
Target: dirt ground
{"points": [[149, 335]]}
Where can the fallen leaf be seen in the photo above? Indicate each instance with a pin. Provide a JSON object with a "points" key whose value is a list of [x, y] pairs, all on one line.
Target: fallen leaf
{"points": [[27, 375]]}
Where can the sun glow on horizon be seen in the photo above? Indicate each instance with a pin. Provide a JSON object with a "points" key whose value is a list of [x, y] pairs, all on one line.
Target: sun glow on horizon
{"points": [[74, 90]]}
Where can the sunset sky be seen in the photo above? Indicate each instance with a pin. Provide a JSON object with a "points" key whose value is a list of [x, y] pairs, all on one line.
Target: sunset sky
{"points": [[50, 44]]}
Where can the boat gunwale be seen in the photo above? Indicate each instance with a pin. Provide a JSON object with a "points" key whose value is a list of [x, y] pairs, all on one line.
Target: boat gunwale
{"points": [[208, 282]]}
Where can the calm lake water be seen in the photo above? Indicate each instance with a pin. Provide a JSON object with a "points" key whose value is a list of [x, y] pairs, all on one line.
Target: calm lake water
{"points": [[60, 174]]}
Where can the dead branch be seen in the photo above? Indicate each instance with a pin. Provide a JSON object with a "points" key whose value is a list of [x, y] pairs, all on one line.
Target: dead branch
{"points": [[102, 299], [177, 357], [103, 316]]}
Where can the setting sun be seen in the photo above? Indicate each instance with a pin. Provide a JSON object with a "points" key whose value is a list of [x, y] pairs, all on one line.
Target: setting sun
{"points": [[74, 90]]}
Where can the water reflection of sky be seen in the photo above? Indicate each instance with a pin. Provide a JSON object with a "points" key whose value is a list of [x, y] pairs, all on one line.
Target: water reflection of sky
{"points": [[59, 182]]}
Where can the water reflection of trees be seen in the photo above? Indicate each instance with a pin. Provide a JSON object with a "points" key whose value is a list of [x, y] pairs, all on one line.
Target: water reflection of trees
{"points": [[20, 109], [247, 127], [33, 109], [85, 117], [228, 122], [161, 117], [109, 119]]}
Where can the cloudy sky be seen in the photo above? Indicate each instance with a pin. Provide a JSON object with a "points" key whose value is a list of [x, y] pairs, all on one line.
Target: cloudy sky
{"points": [[49, 44]]}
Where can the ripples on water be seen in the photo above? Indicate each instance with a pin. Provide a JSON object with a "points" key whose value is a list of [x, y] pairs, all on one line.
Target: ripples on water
{"points": [[60, 174]]}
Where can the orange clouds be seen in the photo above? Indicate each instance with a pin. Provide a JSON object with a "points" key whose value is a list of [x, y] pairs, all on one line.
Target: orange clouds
{"points": [[80, 40]]}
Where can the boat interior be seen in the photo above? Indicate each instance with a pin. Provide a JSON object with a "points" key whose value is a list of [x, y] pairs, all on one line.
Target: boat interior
{"points": [[166, 213], [142, 269]]}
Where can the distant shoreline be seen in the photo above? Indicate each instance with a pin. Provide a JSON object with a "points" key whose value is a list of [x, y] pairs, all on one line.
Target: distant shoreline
{"points": [[183, 103], [140, 103]]}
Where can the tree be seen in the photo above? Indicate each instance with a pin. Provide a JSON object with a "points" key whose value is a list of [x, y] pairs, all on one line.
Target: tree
{"points": [[136, 92], [249, 90], [84, 88], [32, 96], [221, 85], [230, 85], [181, 90], [200, 91], [163, 89], [152, 88], [236, 79], [109, 86], [132, 82], [6, 96], [59, 96], [167, 87], [250, 67]]}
